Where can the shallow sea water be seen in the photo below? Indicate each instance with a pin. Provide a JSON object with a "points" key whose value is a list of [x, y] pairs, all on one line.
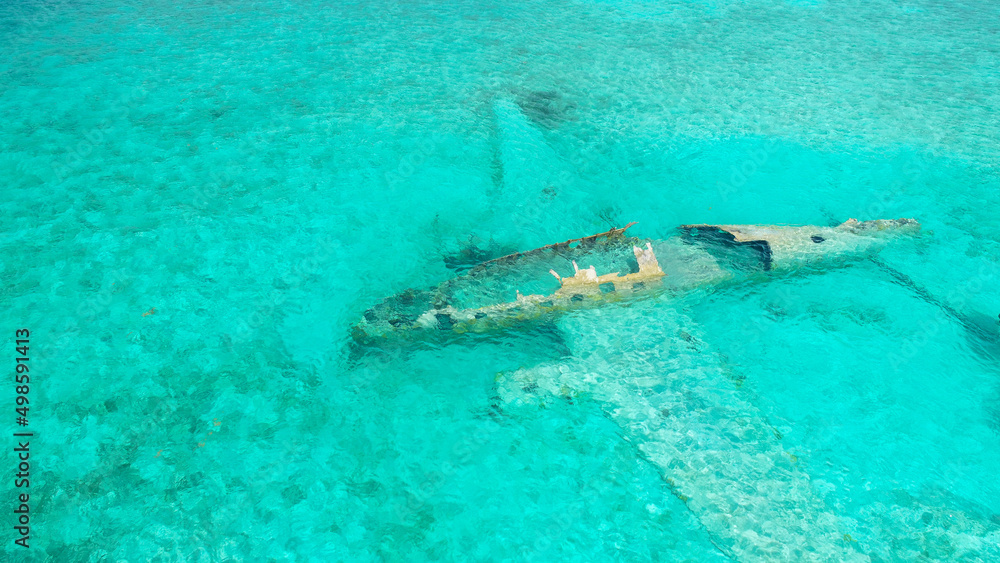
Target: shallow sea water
{"points": [[200, 199]]}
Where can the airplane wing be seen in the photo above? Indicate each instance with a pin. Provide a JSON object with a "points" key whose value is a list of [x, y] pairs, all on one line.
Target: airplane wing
{"points": [[690, 417]]}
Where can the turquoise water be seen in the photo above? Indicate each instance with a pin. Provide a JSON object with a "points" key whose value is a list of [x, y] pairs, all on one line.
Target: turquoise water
{"points": [[200, 199]]}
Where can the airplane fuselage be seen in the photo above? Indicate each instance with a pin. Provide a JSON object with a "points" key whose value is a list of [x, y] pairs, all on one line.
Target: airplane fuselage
{"points": [[523, 288]]}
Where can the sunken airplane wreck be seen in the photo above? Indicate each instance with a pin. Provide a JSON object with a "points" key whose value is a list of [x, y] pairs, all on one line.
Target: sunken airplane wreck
{"points": [[520, 289]]}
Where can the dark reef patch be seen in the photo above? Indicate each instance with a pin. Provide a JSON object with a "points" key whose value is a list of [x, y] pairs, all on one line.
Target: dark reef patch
{"points": [[547, 108]]}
